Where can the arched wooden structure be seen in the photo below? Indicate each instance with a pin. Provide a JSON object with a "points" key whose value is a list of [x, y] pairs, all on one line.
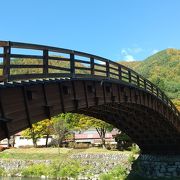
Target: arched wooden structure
{"points": [[90, 85]]}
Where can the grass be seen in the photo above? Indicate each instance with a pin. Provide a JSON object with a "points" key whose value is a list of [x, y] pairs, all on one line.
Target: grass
{"points": [[34, 153], [50, 153]]}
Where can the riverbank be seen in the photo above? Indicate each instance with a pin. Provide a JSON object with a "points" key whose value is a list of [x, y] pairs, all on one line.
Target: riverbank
{"points": [[62, 162]]}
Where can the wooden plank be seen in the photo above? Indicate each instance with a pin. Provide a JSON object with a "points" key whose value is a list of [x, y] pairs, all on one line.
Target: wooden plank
{"points": [[4, 43], [26, 66], [129, 74], [104, 93], [3, 116], [58, 68], [112, 73], [120, 72], [3, 78], [74, 95], [98, 70], [58, 58], [47, 106], [6, 61], [82, 68], [112, 68], [107, 70], [96, 99], [61, 97], [72, 65], [92, 65], [82, 61], [24, 56], [36, 76], [45, 61], [99, 65], [26, 106], [85, 93]]}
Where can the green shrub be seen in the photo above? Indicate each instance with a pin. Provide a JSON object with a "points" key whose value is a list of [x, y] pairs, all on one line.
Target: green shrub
{"points": [[131, 159], [135, 149], [57, 169], [70, 169], [35, 170], [106, 176], [2, 172], [119, 173]]}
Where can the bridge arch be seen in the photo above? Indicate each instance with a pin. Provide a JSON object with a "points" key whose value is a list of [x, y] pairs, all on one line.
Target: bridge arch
{"points": [[102, 89]]}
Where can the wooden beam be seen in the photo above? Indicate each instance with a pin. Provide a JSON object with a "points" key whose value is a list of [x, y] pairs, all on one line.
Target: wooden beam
{"points": [[4, 120], [85, 93], [61, 97], [26, 106]]}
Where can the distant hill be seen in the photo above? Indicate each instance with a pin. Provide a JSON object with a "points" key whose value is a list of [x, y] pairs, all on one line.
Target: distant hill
{"points": [[163, 69]]}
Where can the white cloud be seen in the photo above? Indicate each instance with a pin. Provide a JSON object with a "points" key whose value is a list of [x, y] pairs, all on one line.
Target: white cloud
{"points": [[135, 50], [129, 58], [124, 52], [154, 51]]}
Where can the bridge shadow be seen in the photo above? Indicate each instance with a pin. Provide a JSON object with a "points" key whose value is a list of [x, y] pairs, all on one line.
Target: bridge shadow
{"points": [[139, 173], [135, 172]]}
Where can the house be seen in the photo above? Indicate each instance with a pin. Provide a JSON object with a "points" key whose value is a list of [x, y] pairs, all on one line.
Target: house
{"points": [[89, 136]]}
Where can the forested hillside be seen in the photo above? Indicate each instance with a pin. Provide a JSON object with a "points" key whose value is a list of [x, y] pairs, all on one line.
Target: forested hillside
{"points": [[163, 69]]}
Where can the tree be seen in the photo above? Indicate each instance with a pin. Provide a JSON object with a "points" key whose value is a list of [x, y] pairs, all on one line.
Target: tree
{"points": [[66, 123], [38, 130], [63, 126], [101, 127], [47, 130], [123, 141]]}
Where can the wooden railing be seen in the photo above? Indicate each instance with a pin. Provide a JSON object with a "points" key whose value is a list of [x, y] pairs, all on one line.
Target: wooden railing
{"points": [[78, 64]]}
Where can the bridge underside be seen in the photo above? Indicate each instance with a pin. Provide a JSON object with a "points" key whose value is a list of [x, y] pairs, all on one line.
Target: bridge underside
{"points": [[144, 117]]}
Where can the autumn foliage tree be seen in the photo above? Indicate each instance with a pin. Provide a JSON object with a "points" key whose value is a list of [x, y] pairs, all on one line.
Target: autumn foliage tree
{"points": [[38, 130]]}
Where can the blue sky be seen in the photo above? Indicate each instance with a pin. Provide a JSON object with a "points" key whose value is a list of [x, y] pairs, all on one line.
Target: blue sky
{"points": [[115, 29]]}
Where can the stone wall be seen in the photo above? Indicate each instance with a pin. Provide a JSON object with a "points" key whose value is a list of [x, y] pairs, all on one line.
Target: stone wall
{"points": [[97, 163], [14, 164], [153, 166], [101, 163]]}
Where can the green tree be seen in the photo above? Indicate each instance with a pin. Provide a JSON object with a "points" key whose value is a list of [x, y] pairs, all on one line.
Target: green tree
{"points": [[38, 130], [101, 127], [64, 124]]}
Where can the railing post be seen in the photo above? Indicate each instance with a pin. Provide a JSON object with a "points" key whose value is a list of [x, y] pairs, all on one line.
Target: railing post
{"points": [[145, 85], [138, 82], [120, 72], [72, 65], [45, 62], [152, 89], [107, 69], [162, 95], [92, 66], [129, 74], [157, 91], [6, 62]]}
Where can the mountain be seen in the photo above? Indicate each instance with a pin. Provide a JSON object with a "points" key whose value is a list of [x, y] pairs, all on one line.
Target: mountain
{"points": [[163, 69]]}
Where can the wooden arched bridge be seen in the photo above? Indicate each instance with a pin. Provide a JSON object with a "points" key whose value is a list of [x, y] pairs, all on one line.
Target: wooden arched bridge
{"points": [[38, 82]]}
